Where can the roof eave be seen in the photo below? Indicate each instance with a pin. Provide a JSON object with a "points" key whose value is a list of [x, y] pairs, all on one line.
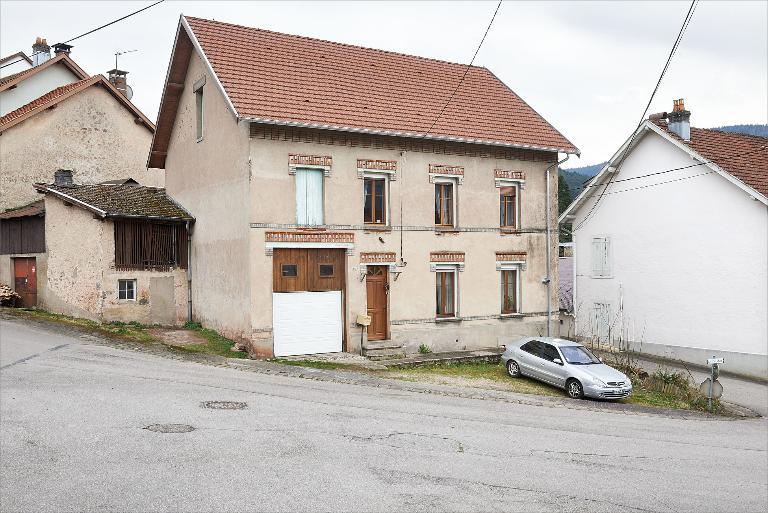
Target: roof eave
{"points": [[412, 135], [44, 189]]}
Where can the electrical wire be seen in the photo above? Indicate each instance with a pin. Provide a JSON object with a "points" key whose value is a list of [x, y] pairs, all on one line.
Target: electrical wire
{"points": [[465, 71], [672, 52], [93, 30]]}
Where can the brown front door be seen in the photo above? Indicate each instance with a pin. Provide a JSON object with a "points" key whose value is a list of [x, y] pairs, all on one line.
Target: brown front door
{"points": [[25, 282], [377, 287]]}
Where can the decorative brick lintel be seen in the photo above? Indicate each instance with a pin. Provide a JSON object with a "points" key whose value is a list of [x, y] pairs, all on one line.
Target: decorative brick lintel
{"points": [[511, 256], [446, 256], [508, 174], [387, 257], [321, 161], [442, 170], [377, 165], [323, 237]]}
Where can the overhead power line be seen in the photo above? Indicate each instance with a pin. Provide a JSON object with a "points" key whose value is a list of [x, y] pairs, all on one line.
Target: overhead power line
{"points": [[672, 52], [93, 30], [442, 111]]}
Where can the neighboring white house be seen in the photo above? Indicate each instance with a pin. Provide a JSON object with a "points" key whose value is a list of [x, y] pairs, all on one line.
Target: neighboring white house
{"points": [[14, 63], [671, 245]]}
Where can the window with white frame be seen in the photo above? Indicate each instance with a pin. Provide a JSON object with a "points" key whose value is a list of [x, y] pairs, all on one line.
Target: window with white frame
{"points": [[375, 199], [601, 257], [446, 292], [126, 290], [445, 203], [309, 197]]}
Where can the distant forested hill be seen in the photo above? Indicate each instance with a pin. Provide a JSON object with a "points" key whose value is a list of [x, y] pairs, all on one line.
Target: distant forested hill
{"points": [[576, 176], [761, 130]]}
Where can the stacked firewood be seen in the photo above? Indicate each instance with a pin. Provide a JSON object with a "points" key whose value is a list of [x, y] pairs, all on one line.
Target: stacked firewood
{"points": [[8, 297]]}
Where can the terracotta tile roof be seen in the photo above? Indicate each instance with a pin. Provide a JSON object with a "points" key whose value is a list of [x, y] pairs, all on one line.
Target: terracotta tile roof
{"points": [[63, 58], [62, 93], [280, 77], [120, 200], [743, 156], [33, 209]]}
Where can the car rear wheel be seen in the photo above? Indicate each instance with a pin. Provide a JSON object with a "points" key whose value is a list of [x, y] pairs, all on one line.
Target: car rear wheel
{"points": [[513, 369], [574, 389]]}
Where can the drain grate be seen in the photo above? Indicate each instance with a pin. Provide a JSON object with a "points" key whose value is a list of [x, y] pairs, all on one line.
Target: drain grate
{"points": [[223, 405], [170, 428]]}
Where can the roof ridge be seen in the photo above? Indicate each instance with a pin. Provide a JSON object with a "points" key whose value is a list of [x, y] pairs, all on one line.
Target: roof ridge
{"points": [[728, 132], [347, 45]]}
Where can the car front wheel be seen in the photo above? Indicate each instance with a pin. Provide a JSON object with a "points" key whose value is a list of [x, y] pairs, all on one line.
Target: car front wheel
{"points": [[574, 389], [513, 369]]}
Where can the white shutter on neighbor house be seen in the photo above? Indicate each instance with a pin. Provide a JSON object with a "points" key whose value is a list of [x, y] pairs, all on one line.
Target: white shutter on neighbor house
{"points": [[601, 256]]}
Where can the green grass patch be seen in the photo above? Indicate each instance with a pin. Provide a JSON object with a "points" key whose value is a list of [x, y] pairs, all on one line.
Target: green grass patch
{"points": [[215, 343]]}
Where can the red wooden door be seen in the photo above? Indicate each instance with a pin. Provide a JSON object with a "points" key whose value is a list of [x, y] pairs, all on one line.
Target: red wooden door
{"points": [[376, 287], [25, 280]]}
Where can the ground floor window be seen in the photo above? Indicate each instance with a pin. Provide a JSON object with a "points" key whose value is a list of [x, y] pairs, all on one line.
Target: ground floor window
{"points": [[509, 291], [446, 293], [126, 289]]}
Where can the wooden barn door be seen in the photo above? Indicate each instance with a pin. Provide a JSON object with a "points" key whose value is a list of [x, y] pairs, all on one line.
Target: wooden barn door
{"points": [[25, 280]]}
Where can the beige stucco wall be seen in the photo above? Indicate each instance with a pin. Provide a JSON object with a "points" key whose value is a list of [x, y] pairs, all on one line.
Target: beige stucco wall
{"points": [[412, 295], [90, 133], [210, 179], [80, 278]]}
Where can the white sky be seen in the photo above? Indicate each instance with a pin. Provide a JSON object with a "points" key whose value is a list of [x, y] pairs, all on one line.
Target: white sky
{"points": [[587, 67]]}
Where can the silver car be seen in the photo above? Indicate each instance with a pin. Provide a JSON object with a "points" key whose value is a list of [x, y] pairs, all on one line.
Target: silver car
{"points": [[567, 365]]}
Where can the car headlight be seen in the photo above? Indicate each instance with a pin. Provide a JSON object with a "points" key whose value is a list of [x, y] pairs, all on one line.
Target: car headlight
{"points": [[599, 382]]}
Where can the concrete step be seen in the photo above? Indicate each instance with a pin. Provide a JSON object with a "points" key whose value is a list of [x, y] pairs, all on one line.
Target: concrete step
{"points": [[385, 354], [382, 344]]}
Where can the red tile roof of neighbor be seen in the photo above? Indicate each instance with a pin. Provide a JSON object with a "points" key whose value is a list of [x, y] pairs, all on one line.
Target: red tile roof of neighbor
{"points": [[276, 77], [33, 209], [62, 93], [743, 156]]}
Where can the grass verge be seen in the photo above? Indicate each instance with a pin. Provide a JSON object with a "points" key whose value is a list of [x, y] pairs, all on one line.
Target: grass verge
{"points": [[135, 332]]}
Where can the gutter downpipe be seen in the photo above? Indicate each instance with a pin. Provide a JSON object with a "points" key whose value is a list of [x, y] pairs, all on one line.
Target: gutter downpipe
{"points": [[189, 272], [548, 279]]}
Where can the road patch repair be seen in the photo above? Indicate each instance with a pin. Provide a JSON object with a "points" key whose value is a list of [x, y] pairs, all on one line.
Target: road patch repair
{"points": [[170, 428]]}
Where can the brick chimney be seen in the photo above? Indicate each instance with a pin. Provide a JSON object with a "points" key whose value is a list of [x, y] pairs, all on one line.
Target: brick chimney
{"points": [[679, 120], [41, 51], [63, 178], [119, 80]]}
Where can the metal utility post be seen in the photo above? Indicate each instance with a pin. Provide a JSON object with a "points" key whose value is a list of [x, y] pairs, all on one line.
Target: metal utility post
{"points": [[548, 279]]}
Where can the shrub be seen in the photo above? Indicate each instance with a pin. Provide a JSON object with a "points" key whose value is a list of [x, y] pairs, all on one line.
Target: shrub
{"points": [[425, 349]]}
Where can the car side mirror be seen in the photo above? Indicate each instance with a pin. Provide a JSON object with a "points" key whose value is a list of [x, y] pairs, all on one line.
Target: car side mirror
{"points": [[557, 361]]}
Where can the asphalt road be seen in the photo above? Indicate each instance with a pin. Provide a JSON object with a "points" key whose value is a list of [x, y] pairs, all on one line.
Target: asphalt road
{"points": [[73, 438]]}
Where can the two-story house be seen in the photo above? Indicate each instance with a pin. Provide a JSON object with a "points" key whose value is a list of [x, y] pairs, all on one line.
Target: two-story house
{"points": [[330, 182], [671, 245], [53, 116]]}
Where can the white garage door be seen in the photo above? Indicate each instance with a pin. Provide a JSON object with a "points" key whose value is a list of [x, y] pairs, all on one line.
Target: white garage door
{"points": [[306, 322]]}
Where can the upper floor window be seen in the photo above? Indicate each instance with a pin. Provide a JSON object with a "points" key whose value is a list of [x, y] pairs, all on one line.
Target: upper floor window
{"points": [[309, 197], [601, 257], [445, 213], [508, 207], [375, 200], [199, 113]]}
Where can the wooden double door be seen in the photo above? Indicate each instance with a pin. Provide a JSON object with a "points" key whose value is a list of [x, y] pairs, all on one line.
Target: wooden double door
{"points": [[377, 289], [25, 280]]}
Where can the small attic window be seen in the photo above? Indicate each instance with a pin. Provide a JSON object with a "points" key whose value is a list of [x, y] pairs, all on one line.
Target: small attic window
{"points": [[199, 106]]}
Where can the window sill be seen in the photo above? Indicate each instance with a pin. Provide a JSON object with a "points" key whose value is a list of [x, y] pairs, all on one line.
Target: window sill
{"points": [[509, 231], [448, 230], [601, 277], [377, 228], [515, 315], [448, 319], [307, 228]]}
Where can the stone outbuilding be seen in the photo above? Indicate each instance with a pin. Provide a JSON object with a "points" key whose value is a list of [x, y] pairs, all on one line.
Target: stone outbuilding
{"points": [[114, 252]]}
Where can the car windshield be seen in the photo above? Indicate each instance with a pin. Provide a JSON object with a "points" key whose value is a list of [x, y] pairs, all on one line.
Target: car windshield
{"points": [[578, 355]]}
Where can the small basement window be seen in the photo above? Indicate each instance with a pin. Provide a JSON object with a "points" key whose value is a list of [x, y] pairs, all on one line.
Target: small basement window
{"points": [[289, 270], [326, 271], [126, 290]]}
